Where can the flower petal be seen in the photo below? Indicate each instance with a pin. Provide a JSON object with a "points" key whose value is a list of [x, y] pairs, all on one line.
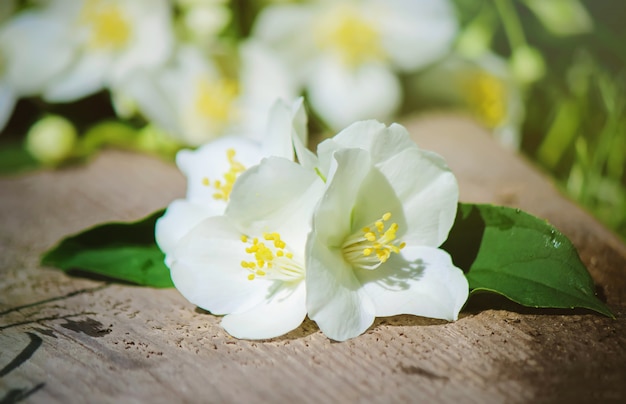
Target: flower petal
{"points": [[333, 216], [8, 99], [429, 194], [335, 300], [206, 269], [417, 32], [180, 217], [282, 312], [35, 49], [210, 162], [342, 95], [84, 77], [380, 141], [272, 196], [420, 281]]}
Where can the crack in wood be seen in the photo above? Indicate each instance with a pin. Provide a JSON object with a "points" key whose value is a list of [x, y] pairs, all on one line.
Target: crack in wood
{"points": [[54, 299], [39, 320]]}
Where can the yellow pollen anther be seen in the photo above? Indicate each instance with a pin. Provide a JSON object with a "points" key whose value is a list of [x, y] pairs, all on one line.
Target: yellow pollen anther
{"points": [[108, 26], [251, 277], [214, 100], [271, 260], [352, 36], [486, 96], [374, 245], [223, 188]]}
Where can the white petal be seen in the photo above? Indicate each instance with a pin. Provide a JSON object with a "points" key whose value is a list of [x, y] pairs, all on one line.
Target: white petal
{"points": [[420, 281], [335, 300], [7, 103], [381, 142], [263, 79], [210, 162], [417, 32], [334, 214], [342, 95], [36, 49], [153, 101], [282, 312], [206, 269], [429, 194], [84, 77], [278, 195], [277, 140], [151, 42], [180, 217]]}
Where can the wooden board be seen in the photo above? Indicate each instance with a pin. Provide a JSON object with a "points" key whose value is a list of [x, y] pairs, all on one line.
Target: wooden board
{"points": [[71, 339]]}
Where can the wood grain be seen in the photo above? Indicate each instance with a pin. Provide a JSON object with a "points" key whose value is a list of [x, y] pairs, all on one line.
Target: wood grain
{"points": [[72, 339]]}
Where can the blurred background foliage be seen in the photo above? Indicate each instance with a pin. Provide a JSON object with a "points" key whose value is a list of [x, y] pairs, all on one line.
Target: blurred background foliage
{"points": [[566, 60]]}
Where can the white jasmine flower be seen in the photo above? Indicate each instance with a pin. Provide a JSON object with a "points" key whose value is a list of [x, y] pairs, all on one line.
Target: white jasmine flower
{"points": [[346, 53], [484, 86], [373, 249], [249, 263], [8, 96], [194, 101], [202, 20], [212, 169], [67, 49]]}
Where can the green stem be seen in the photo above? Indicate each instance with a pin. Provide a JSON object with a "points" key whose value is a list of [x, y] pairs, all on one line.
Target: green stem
{"points": [[511, 23]]}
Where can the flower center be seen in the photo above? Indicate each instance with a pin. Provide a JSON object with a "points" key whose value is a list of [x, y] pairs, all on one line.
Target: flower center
{"points": [[214, 99], [225, 186], [351, 36], [486, 96], [373, 245], [108, 26], [271, 259]]}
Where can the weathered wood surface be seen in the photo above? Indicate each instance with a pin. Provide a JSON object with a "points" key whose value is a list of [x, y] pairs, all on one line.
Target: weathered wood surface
{"points": [[68, 339]]}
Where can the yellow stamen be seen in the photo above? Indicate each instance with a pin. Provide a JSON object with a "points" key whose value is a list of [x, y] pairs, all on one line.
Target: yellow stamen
{"points": [[351, 35], [223, 188], [373, 245], [214, 100], [108, 26], [272, 260], [486, 96]]}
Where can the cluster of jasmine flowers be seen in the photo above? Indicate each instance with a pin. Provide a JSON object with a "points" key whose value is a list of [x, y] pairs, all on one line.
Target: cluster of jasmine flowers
{"points": [[185, 68], [270, 232]]}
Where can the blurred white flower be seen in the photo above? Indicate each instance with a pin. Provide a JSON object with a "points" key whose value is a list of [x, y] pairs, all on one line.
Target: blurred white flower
{"points": [[67, 49], [201, 20], [212, 170], [484, 86], [346, 53], [8, 95], [192, 99]]}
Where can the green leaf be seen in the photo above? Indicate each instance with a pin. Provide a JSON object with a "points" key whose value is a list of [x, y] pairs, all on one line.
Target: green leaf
{"points": [[121, 251], [521, 257], [14, 159]]}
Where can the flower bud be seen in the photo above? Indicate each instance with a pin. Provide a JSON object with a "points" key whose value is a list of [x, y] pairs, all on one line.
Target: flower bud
{"points": [[51, 139], [527, 64]]}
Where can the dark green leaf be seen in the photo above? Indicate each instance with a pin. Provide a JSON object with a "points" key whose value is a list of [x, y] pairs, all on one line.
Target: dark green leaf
{"points": [[14, 159], [521, 257], [121, 251]]}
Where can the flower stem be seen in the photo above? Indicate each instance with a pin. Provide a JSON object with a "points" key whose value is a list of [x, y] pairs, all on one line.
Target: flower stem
{"points": [[511, 23]]}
